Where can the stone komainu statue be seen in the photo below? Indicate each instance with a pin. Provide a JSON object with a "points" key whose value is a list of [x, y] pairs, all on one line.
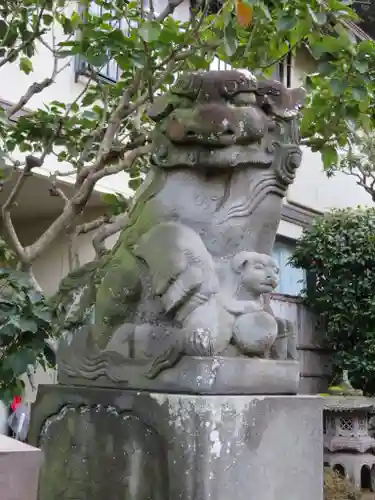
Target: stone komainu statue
{"points": [[188, 279]]}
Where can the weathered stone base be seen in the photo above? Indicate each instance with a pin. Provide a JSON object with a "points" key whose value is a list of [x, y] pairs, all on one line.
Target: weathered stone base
{"points": [[150, 446], [196, 375]]}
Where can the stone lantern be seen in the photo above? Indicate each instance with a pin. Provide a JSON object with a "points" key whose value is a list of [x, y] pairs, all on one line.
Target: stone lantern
{"points": [[348, 447]]}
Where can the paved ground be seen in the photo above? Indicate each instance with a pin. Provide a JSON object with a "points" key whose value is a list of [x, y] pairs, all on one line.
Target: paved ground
{"points": [[368, 496]]}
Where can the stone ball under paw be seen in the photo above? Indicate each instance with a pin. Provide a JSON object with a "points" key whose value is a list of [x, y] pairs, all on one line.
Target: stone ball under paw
{"points": [[255, 333]]}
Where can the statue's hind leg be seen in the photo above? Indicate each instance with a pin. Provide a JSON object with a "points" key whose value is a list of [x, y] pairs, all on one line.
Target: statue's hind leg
{"points": [[117, 296]]}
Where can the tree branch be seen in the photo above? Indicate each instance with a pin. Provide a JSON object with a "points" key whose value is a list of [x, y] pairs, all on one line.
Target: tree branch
{"points": [[94, 135], [114, 226], [82, 229], [169, 9], [35, 88], [92, 225], [56, 191], [78, 201], [113, 126], [7, 219]]}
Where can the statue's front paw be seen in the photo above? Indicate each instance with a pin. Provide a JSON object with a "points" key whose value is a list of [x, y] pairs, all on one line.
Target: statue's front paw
{"points": [[200, 343]]}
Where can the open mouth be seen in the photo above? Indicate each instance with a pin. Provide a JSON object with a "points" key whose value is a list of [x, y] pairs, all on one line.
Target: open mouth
{"points": [[268, 284]]}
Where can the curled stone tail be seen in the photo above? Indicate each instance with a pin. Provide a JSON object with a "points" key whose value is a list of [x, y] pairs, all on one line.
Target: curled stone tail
{"points": [[166, 360]]}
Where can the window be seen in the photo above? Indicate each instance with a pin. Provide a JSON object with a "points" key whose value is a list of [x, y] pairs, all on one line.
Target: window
{"points": [[291, 280], [283, 71]]}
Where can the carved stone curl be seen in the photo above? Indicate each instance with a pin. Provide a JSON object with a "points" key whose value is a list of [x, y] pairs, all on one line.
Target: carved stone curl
{"points": [[190, 274]]}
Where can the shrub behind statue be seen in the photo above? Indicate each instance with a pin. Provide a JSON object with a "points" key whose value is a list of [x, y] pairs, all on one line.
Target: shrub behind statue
{"points": [[338, 252]]}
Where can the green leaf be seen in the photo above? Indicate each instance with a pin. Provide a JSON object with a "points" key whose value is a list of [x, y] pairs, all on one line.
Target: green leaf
{"points": [[75, 19], [359, 93], [3, 28], [286, 23], [319, 18], [329, 156], [43, 314], [47, 19], [89, 98], [109, 198], [361, 66], [22, 324], [74, 107], [149, 31], [230, 40], [96, 59], [331, 44], [325, 67], [67, 25], [19, 362], [338, 87], [266, 11], [26, 65], [8, 330], [135, 183]]}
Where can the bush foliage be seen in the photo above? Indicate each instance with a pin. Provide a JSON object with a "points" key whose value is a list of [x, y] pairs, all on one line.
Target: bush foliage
{"points": [[25, 326], [338, 253]]}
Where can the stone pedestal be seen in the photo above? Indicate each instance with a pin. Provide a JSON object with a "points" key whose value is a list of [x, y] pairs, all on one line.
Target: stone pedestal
{"points": [[19, 470], [108, 443]]}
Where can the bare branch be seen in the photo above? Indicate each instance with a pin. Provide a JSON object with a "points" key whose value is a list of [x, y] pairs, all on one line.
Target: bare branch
{"points": [[78, 201], [56, 191], [113, 126], [169, 9], [73, 238], [35, 88], [118, 114], [87, 227], [148, 72], [123, 165], [114, 226], [7, 219], [123, 110], [94, 135], [152, 9]]}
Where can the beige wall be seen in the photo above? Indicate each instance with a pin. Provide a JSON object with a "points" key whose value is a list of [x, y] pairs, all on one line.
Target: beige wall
{"points": [[54, 263]]}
